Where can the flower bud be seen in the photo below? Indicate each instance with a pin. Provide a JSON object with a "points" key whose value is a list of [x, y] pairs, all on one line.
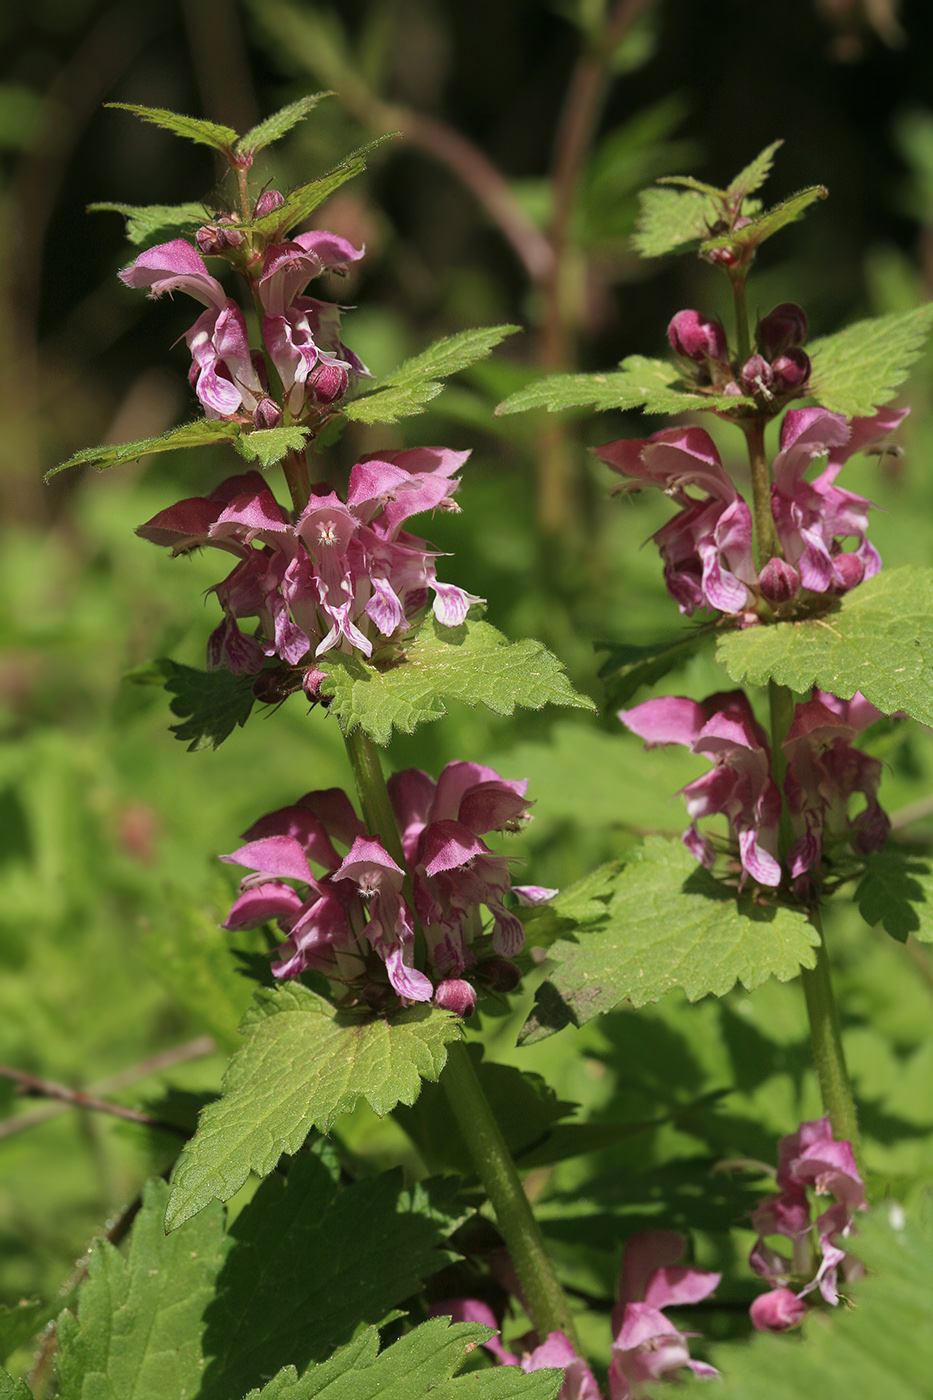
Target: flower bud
{"points": [[778, 582], [791, 371], [455, 995], [697, 338], [756, 378], [267, 413], [777, 1311], [498, 974], [215, 239], [328, 382], [267, 201], [313, 680], [852, 569], [782, 329]]}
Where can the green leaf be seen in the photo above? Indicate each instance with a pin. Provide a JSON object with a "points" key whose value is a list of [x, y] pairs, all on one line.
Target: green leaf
{"points": [[302, 1066], [764, 226], [276, 126], [145, 222], [303, 201], [754, 175], [881, 1346], [896, 891], [653, 923], [639, 382], [309, 1263], [861, 367], [21, 1322], [141, 1320], [878, 640], [672, 219], [473, 663], [11, 1389], [201, 433], [415, 382], [211, 703], [222, 138], [627, 668], [269, 445], [418, 1365]]}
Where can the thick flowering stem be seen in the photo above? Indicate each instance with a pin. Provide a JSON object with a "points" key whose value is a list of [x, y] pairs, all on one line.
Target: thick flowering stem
{"points": [[547, 1306], [742, 341], [828, 1054], [295, 467], [766, 541], [825, 1032]]}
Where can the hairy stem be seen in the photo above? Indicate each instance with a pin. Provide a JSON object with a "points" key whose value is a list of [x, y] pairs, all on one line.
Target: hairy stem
{"points": [[766, 541], [545, 1300], [742, 340], [829, 1059], [295, 467]]}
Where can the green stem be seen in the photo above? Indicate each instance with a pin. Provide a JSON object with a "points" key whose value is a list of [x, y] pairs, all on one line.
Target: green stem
{"points": [[742, 340], [766, 541], [829, 1059], [547, 1306], [295, 467], [828, 1054]]}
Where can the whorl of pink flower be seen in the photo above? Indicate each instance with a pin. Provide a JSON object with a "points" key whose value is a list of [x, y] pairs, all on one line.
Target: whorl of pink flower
{"points": [[809, 1158], [707, 546], [330, 906], [343, 575], [647, 1347]]}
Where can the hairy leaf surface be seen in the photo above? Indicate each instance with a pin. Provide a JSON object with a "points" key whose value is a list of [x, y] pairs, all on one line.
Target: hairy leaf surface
{"points": [[862, 366], [417, 381]]}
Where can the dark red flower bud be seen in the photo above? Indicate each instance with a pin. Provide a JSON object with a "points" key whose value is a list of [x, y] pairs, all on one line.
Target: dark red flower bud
{"points": [[457, 996], [696, 337], [267, 413], [215, 239], [852, 569], [784, 328], [756, 378], [328, 382], [791, 370], [311, 685], [267, 201], [778, 582], [498, 974]]}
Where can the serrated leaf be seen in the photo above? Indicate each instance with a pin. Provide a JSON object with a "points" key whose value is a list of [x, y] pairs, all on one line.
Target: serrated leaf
{"points": [[11, 1389], [656, 922], [672, 219], [416, 1366], [301, 1067], [140, 1321], [896, 891], [20, 1322], [416, 382], [878, 640], [275, 127], [764, 226], [303, 201], [861, 367], [473, 663], [755, 173], [145, 221], [200, 433], [269, 445], [309, 1263], [652, 385], [222, 138], [627, 668], [211, 703], [881, 1346]]}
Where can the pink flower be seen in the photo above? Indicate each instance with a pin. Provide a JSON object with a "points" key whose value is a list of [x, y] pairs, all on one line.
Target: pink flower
{"points": [[222, 370], [647, 1346], [707, 546], [814, 517], [809, 1158], [739, 786]]}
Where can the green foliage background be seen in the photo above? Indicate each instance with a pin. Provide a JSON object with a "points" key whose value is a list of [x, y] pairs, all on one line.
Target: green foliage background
{"points": [[110, 892]]}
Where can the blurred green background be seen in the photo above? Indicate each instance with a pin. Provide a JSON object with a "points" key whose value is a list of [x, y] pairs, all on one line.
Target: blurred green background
{"points": [[528, 129]]}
